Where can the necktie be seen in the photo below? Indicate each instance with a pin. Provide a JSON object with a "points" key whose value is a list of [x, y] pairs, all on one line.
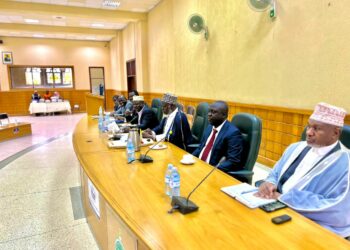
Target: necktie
{"points": [[290, 171], [209, 145]]}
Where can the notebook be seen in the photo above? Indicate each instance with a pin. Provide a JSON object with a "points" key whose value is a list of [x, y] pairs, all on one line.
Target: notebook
{"points": [[244, 193]]}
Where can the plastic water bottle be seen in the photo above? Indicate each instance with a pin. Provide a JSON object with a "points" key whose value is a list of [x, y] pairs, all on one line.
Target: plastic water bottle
{"points": [[106, 122], [100, 119], [130, 151], [175, 182], [167, 179]]}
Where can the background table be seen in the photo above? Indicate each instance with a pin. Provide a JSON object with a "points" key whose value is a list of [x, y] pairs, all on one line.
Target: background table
{"points": [[49, 107], [13, 130]]}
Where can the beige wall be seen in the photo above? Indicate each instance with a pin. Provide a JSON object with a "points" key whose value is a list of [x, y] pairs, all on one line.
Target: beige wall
{"points": [[117, 66], [297, 60], [80, 54]]}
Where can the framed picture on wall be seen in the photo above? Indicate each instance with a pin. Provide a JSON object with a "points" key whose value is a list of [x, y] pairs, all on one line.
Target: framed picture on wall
{"points": [[7, 58]]}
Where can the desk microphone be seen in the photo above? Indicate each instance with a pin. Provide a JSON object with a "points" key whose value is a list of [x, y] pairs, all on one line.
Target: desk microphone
{"points": [[147, 159], [184, 205]]}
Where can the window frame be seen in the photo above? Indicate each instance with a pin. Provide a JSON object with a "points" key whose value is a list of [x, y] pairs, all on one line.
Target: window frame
{"points": [[43, 71]]}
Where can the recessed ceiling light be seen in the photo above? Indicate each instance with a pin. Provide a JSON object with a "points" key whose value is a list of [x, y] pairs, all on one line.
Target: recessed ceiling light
{"points": [[31, 21], [111, 3], [97, 25], [38, 35]]}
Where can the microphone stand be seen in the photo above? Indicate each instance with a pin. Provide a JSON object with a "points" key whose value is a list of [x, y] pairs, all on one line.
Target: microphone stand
{"points": [[147, 159], [184, 205]]}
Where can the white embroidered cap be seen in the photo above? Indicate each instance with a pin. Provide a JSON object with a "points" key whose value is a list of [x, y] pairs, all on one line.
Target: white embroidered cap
{"points": [[169, 98], [138, 98], [329, 114]]}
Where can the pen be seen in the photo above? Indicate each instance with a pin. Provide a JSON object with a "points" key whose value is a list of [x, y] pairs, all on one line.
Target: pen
{"points": [[249, 191]]}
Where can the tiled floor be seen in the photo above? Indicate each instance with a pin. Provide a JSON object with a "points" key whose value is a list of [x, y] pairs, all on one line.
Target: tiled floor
{"points": [[35, 202], [43, 128], [36, 183]]}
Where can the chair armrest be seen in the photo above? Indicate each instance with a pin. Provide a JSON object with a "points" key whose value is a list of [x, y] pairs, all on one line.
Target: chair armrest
{"points": [[192, 147], [241, 173]]}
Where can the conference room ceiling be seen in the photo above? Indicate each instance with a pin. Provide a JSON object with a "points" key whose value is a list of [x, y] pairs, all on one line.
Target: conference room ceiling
{"points": [[69, 19]]}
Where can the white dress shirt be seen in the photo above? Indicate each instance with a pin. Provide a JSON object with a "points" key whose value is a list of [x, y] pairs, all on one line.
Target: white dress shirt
{"points": [[310, 159], [168, 125], [206, 143], [139, 115]]}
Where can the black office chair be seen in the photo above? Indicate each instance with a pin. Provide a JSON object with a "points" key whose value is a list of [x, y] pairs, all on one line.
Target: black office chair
{"points": [[250, 127], [156, 106], [200, 123], [4, 116]]}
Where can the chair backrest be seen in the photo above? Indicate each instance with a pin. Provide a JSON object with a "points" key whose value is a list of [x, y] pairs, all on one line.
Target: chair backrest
{"points": [[190, 110], [4, 116], [180, 106], [200, 121], [156, 106], [250, 127], [344, 137]]}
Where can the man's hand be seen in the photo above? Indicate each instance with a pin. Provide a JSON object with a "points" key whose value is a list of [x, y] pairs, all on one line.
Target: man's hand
{"points": [[147, 133], [267, 190]]}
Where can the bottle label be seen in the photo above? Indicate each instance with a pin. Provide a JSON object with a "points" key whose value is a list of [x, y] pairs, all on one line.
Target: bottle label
{"points": [[167, 179], [174, 184]]}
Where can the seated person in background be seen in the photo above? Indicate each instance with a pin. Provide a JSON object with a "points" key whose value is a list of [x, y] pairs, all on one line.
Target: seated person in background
{"points": [[55, 96], [128, 107], [47, 95], [142, 115], [312, 177], [174, 126], [123, 102], [36, 96], [116, 102], [222, 142]]}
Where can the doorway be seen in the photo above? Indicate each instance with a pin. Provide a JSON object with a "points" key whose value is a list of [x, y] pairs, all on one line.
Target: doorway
{"points": [[97, 80], [131, 74]]}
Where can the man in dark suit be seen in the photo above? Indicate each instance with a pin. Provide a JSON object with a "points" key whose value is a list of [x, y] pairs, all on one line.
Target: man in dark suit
{"points": [[142, 115], [222, 142], [174, 126]]}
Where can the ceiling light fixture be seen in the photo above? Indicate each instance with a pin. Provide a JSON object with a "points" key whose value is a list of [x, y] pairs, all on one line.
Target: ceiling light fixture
{"points": [[97, 25], [111, 3], [31, 21], [38, 35]]}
